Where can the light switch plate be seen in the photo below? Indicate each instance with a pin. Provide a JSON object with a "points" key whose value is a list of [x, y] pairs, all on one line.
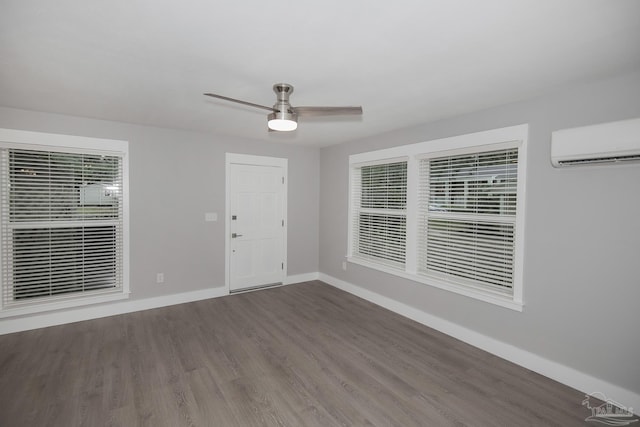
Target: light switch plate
{"points": [[210, 216]]}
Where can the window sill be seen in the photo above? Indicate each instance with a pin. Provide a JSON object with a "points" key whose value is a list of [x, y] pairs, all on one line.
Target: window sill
{"points": [[477, 294], [62, 303]]}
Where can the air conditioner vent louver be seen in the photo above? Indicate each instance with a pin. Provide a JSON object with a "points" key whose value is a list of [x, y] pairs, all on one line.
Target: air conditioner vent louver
{"points": [[613, 143], [629, 158]]}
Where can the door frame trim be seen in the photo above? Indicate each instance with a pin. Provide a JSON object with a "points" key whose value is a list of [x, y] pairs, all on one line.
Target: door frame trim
{"points": [[247, 159]]}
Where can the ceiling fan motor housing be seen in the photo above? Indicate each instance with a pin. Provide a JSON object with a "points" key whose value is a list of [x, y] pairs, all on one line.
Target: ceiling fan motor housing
{"points": [[283, 118]]}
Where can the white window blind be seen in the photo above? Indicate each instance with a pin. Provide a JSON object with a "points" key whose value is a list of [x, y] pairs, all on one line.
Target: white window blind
{"points": [[467, 214], [379, 200], [61, 225]]}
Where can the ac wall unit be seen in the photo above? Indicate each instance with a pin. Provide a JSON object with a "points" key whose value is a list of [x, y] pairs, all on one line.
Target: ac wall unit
{"points": [[603, 143]]}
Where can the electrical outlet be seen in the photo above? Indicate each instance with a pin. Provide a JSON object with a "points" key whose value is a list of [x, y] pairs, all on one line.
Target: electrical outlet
{"points": [[160, 278], [344, 265]]}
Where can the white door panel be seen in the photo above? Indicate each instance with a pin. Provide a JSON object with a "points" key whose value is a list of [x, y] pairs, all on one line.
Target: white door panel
{"points": [[256, 201]]}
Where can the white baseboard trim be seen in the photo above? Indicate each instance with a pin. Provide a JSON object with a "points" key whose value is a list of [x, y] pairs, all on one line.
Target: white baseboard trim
{"points": [[554, 370], [299, 278], [60, 317], [44, 320]]}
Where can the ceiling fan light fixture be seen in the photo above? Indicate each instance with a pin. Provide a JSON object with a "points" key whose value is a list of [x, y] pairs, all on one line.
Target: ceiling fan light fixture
{"points": [[282, 121]]}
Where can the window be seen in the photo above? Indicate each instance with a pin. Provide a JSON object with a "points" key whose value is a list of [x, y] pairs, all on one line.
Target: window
{"points": [[447, 213], [467, 217], [380, 199], [62, 221]]}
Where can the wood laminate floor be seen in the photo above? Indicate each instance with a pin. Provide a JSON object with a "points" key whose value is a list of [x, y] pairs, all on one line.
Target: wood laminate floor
{"points": [[299, 355]]}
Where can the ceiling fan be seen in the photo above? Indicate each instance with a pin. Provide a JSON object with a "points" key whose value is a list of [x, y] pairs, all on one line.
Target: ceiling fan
{"points": [[283, 116]]}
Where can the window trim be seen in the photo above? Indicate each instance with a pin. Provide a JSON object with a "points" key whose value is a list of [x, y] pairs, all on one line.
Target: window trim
{"points": [[20, 139], [496, 139]]}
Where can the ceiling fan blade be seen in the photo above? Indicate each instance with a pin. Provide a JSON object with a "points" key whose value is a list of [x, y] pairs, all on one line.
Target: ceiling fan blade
{"points": [[326, 111], [251, 104]]}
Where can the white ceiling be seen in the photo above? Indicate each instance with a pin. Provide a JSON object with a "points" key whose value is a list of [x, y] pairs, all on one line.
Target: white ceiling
{"points": [[406, 62]]}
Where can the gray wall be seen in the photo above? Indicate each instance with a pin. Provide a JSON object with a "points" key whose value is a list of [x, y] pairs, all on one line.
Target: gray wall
{"points": [[582, 243], [175, 177], [582, 239]]}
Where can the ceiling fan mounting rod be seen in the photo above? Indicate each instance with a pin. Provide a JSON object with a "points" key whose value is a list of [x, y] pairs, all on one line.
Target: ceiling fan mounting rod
{"points": [[282, 90]]}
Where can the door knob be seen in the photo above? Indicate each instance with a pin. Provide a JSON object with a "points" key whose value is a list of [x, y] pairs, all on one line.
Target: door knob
{"points": [[234, 235]]}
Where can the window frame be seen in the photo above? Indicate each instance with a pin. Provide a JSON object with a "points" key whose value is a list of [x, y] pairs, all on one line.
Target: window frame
{"points": [[495, 139], [28, 140]]}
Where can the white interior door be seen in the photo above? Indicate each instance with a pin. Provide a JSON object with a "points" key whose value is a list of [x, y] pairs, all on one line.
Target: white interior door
{"points": [[256, 225]]}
